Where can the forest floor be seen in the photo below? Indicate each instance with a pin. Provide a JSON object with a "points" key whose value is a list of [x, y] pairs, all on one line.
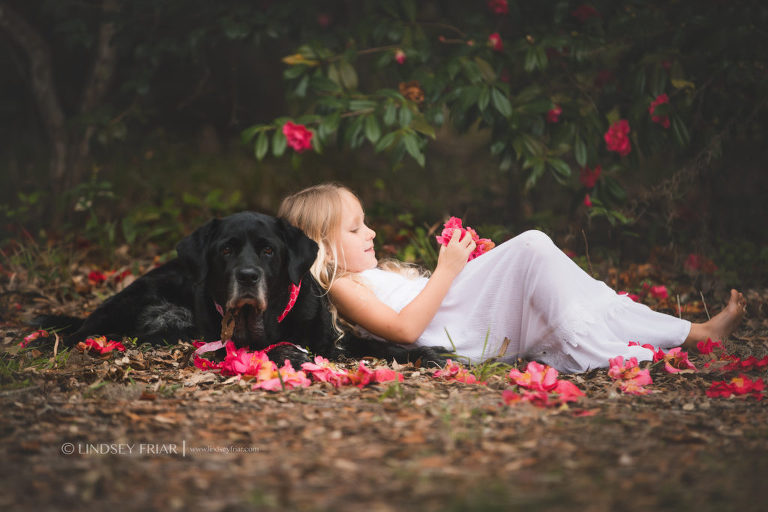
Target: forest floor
{"points": [[146, 430]]}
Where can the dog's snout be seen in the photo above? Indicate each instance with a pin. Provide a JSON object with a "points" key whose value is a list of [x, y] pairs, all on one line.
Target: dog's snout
{"points": [[248, 276]]}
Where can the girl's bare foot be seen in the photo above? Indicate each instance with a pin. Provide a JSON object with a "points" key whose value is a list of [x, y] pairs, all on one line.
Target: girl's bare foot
{"points": [[721, 325]]}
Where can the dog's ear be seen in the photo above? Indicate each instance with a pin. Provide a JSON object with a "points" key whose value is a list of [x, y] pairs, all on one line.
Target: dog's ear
{"points": [[193, 249], [302, 250]]}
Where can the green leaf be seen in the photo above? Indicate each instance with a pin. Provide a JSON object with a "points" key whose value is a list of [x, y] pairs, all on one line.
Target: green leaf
{"points": [[390, 113], [501, 102], [680, 130], [484, 99], [412, 147], [301, 89], [279, 143], [406, 116], [422, 126], [486, 70], [580, 151], [530, 60], [372, 129], [261, 146], [561, 168], [386, 141], [247, 134]]}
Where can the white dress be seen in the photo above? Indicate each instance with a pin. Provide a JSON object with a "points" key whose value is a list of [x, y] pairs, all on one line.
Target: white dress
{"points": [[529, 291]]}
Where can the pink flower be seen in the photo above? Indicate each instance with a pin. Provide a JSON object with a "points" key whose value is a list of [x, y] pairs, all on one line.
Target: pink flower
{"points": [[587, 201], [284, 378], [453, 371], [494, 41], [498, 6], [364, 375], [29, 338], [540, 386], [553, 115], [96, 277], [100, 345], [483, 245], [633, 387], [204, 364], [695, 263], [588, 177], [708, 346], [631, 377], [632, 296], [617, 139], [299, 138], [567, 391], [659, 292], [323, 370], [663, 120], [585, 12], [241, 361], [399, 56], [676, 361]]}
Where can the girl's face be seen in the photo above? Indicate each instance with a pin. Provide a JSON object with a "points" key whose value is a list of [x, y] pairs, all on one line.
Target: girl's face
{"points": [[354, 244]]}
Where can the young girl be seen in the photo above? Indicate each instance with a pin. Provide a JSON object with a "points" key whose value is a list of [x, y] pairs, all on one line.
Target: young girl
{"points": [[525, 290]]}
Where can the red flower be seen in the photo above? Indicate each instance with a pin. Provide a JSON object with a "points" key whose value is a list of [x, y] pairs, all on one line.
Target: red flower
{"points": [[32, 337], [741, 385], [708, 346], [616, 138], [659, 292], [399, 56], [663, 120], [553, 115], [587, 201], [494, 41], [96, 277], [498, 6], [588, 177], [299, 138], [585, 12], [100, 345]]}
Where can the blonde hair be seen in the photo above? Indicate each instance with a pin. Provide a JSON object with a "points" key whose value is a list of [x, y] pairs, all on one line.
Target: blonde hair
{"points": [[317, 212]]}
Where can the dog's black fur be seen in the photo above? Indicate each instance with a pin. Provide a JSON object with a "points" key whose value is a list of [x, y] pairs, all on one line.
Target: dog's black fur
{"points": [[245, 263]]}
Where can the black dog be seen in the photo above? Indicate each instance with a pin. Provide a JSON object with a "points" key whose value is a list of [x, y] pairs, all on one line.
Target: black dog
{"points": [[249, 269]]}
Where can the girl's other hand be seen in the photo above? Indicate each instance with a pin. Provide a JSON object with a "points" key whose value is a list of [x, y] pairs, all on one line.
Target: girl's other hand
{"points": [[453, 257]]}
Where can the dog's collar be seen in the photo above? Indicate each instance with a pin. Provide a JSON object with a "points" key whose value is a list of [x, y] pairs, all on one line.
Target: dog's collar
{"points": [[294, 295], [295, 288]]}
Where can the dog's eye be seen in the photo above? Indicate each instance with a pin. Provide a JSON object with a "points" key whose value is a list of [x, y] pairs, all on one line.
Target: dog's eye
{"points": [[226, 250], [267, 251]]}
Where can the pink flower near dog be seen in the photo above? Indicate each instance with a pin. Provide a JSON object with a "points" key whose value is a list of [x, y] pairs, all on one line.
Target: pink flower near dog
{"points": [[241, 361], [100, 345], [299, 138], [284, 378]]}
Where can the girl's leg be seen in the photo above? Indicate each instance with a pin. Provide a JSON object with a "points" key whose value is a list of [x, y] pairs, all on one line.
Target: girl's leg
{"points": [[721, 325]]}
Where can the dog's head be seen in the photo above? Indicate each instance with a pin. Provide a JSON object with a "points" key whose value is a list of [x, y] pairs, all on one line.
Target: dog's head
{"points": [[246, 264]]}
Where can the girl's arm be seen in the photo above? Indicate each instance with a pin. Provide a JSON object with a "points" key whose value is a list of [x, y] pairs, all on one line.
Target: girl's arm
{"points": [[359, 305]]}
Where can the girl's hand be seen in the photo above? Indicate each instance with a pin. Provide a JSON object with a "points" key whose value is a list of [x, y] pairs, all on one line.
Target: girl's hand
{"points": [[454, 256]]}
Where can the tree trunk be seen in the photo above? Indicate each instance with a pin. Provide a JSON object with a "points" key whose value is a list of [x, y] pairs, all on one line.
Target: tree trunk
{"points": [[70, 149]]}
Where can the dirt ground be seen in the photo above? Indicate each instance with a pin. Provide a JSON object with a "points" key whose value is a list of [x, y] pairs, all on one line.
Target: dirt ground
{"points": [[146, 430]]}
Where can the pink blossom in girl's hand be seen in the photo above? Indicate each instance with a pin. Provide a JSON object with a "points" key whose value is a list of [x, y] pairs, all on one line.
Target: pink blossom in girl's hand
{"points": [[299, 138], [676, 361], [483, 245], [454, 371]]}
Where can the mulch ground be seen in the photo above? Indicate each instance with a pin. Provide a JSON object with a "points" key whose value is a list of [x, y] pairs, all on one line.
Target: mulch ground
{"points": [[145, 430]]}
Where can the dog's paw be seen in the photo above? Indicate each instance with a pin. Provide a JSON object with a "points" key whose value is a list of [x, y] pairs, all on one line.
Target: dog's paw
{"points": [[296, 355]]}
